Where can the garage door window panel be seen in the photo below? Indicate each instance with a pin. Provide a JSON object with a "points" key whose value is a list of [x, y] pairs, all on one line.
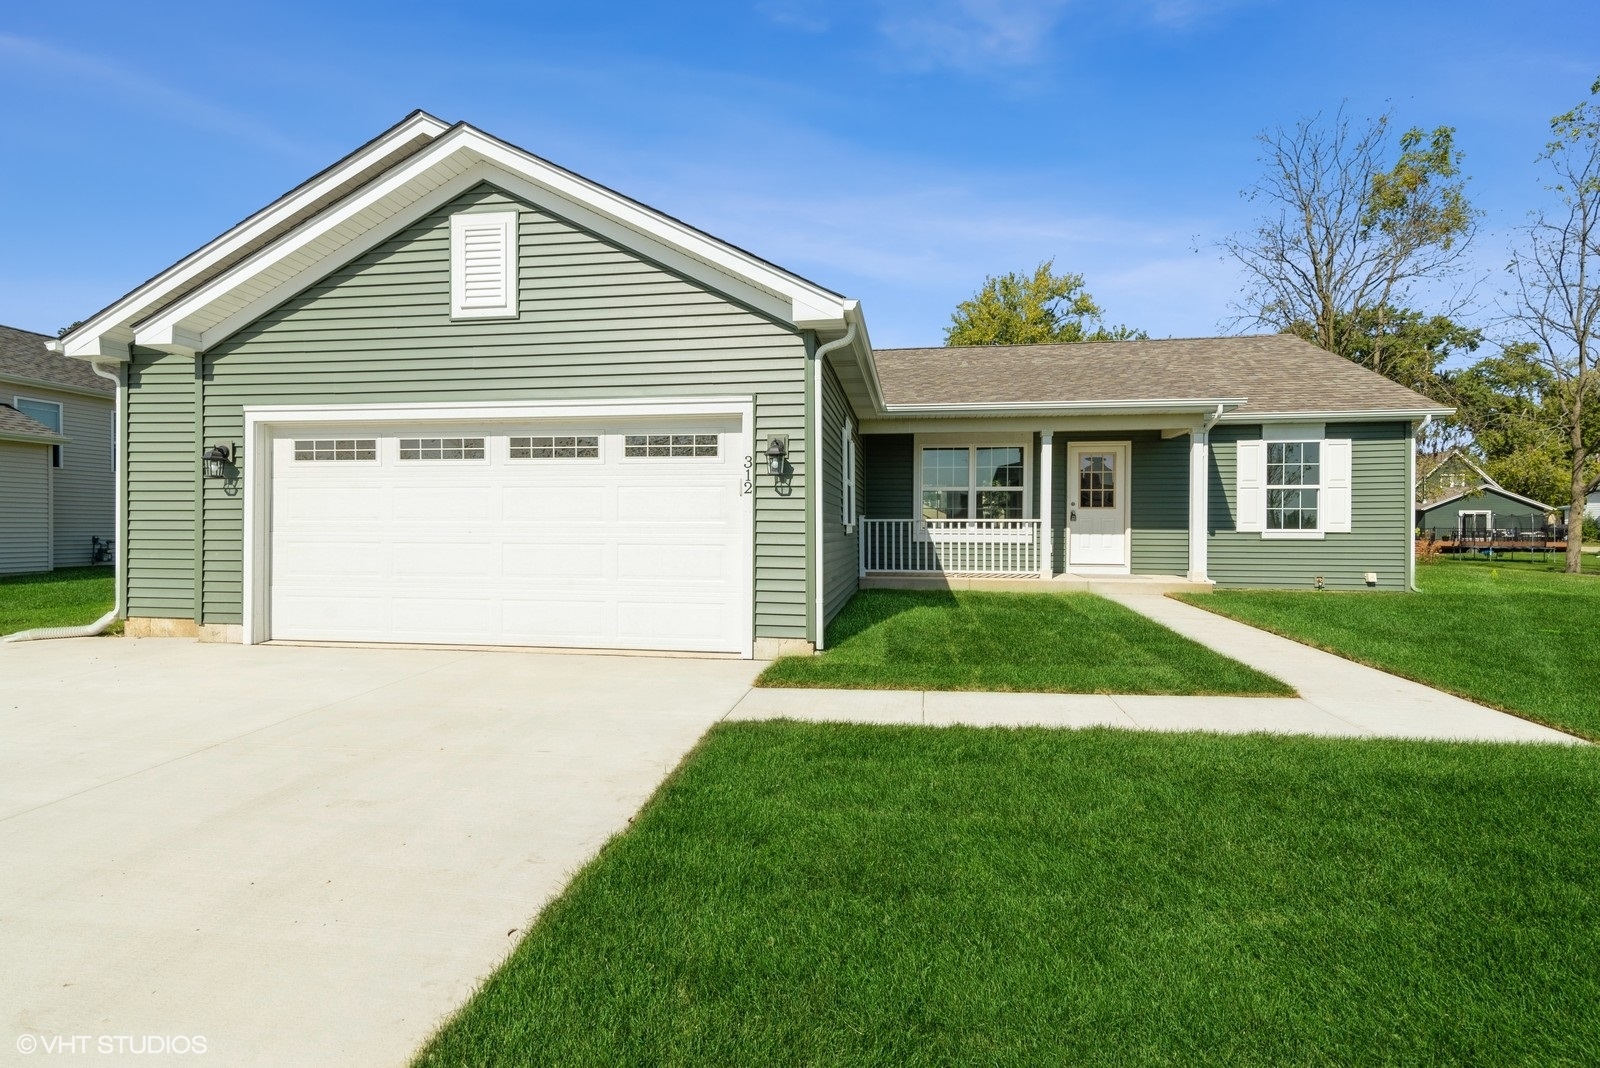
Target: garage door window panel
{"points": [[442, 449], [670, 446], [336, 450], [554, 447]]}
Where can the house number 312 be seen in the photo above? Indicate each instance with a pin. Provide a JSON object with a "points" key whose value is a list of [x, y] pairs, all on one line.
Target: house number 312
{"points": [[749, 484]]}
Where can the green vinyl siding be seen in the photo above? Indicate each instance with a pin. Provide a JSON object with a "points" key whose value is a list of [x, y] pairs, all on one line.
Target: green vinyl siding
{"points": [[1380, 518], [1508, 512], [597, 322], [162, 466], [840, 564], [887, 466]]}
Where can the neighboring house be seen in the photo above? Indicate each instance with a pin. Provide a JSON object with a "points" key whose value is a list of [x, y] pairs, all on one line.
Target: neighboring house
{"points": [[57, 481], [1593, 507], [465, 396], [1459, 497]]}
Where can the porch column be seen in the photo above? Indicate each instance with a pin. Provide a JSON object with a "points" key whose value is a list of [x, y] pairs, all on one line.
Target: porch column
{"points": [[1046, 547], [1199, 501]]}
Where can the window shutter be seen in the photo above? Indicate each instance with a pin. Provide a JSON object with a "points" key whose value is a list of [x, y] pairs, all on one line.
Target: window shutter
{"points": [[1336, 456], [483, 265], [1251, 486], [847, 460]]}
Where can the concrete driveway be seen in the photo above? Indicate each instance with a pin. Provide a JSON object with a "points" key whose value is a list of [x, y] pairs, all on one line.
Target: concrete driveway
{"points": [[301, 856]]}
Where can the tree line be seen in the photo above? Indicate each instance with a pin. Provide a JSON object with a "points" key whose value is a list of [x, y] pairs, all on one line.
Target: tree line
{"points": [[1362, 248]]}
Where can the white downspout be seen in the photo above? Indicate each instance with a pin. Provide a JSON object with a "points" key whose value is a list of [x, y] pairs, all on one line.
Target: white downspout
{"points": [[91, 629], [815, 468], [1411, 505]]}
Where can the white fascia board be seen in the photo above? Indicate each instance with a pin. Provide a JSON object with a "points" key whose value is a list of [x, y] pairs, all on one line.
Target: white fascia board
{"points": [[1480, 491], [81, 343], [110, 346], [1102, 424], [673, 244], [1177, 406], [1351, 416]]}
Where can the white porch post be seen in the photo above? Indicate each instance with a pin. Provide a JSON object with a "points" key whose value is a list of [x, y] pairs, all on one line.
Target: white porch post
{"points": [[1199, 501], [1046, 547]]}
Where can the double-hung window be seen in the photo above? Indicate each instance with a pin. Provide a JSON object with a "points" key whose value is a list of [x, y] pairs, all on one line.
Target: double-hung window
{"points": [[973, 482], [1294, 484], [47, 413]]}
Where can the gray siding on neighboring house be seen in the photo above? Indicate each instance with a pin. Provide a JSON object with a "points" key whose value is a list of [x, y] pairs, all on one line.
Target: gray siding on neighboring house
{"points": [[24, 508], [84, 486], [162, 468], [1507, 512], [1380, 537], [597, 322], [840, 563]]}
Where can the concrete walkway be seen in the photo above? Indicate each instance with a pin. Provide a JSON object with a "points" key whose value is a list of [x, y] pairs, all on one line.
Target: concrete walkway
{"points": [[1338, 697]]}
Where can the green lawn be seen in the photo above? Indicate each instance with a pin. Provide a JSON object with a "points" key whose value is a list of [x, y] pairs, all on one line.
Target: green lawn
{"points": [[850, 895], [1517, 636], [69, 597], [1039, 642]]}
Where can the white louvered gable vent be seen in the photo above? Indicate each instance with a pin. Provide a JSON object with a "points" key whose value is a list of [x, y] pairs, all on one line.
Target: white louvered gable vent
{"points": [[483, 265]]}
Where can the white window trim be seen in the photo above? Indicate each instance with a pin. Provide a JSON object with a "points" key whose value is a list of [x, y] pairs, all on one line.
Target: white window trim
{"points": [[847, 464], [1267, 533], [58, 455], [970, 442], [1488, 518], [510, 226]]}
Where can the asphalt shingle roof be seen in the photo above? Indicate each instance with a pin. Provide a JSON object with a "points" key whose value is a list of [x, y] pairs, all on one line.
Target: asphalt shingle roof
{"points": [[14, 423], [23, 355], [1275, 373]]}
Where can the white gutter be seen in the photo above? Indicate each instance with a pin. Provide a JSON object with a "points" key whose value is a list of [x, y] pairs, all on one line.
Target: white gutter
{"points": [[1114, 407], [119, 568], [1336, 416], [815, 467]]}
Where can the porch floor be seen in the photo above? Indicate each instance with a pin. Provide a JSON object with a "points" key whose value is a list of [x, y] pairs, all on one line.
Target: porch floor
{"points": [[1063, 583]]}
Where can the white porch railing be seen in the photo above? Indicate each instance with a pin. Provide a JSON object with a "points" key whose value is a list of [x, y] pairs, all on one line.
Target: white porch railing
{"points": [[953, 546]]}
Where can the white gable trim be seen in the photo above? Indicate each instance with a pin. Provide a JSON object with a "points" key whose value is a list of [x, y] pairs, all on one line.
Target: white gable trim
{"points": [[459, 159], [106, 335]]}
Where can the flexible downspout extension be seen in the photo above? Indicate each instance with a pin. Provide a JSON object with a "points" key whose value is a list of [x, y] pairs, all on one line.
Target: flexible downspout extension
{"points": [[99, 625], [815, 460]]}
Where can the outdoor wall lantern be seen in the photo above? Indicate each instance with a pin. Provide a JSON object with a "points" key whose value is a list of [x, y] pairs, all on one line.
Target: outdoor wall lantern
{"points": [[217, 460], [777, 450]]}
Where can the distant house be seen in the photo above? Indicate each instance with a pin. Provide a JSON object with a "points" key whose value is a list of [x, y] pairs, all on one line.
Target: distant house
{"points": [[57, 456], [1457, 496]]}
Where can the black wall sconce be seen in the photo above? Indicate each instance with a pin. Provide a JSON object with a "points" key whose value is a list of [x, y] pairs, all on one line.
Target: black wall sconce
{"points": [[777, 452], [218, 459]]}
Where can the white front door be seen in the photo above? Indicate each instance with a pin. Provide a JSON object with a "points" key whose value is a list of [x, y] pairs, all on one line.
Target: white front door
{"points": [[1097, 508]]}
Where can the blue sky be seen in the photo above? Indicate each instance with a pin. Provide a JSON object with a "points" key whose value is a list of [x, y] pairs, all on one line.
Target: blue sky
{"points": [[895, 150]]}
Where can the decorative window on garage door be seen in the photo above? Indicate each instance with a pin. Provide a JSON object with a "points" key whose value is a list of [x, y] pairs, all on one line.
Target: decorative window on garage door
{"points": [[556, 447], [318, 449], [441, 448], [676, 445]]}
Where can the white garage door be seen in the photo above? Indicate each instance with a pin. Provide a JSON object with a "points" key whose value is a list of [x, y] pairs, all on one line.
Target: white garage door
{"points": [[592, 536]]}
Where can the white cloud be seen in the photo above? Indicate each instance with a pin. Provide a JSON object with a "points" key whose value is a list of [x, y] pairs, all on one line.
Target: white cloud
{"points": [[126, 86], [807, 16], [971, 35]]}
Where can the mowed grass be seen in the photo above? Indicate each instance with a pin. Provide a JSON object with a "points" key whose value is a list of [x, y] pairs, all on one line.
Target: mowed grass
{"points": [[850, 895], [69, 597], [1031, 642], [1518, 636]]}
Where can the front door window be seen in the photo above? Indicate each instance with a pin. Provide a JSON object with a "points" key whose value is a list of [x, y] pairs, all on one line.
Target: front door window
{"points": [[1097, 480]]}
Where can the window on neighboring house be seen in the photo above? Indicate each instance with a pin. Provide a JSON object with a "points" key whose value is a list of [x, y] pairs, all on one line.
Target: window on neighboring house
{"points": [[47, 413], [1294, 483], [973, 482], [1476, 522]]}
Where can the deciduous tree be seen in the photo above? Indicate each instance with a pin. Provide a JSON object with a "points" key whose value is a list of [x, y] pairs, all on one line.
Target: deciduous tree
{"points": [[1037, 309], [1355, 224]]}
